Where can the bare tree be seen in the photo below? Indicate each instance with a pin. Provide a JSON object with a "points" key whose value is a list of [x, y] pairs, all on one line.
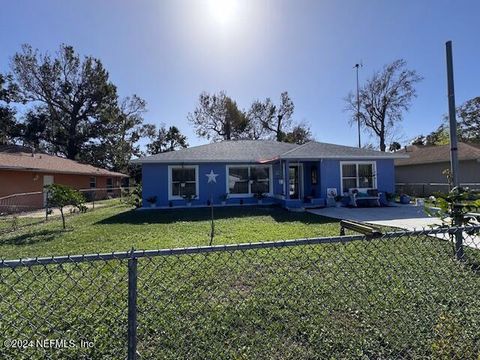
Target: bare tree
{"points": [[384, 98]]}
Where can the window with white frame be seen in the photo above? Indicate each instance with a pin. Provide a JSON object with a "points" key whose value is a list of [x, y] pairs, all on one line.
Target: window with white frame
{"points": [[358, 175], [183, 181], [248, 179]]}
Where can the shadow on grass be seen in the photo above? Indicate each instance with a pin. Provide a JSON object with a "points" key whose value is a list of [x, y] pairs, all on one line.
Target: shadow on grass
{"points": [[32, 237], [203, 214]]}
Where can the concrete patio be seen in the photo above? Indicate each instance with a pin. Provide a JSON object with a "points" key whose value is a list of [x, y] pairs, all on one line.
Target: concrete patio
{"points": [[408, 217]]}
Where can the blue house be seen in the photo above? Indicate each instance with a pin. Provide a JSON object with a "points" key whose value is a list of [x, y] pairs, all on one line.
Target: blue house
{"points": [[251, 171]]}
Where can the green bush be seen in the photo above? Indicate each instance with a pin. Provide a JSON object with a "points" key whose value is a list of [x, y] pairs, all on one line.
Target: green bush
{"points": [[59, 196]]}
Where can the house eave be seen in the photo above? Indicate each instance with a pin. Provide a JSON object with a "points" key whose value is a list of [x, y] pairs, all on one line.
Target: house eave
{"points": [[264, 161], [374, 157], [52, 171]]}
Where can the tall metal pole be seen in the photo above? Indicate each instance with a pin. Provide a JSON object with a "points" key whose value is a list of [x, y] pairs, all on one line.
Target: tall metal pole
{"points": [[457, 218], [452, 116], [358, 108]]}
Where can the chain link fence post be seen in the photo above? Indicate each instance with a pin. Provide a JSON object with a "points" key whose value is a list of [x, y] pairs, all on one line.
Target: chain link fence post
{"points": [[132, 307]]}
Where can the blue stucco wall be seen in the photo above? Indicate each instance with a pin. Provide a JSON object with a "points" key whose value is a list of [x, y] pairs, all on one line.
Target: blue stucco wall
{"points": [[330, 175], [386, 175], [155, 181]]}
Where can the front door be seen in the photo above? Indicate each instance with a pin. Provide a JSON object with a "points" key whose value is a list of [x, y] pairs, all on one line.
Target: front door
{"points": [[47, 180], [294, 181]]}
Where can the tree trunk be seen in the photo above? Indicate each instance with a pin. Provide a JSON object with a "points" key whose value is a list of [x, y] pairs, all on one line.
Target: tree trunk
{"points": [[383, 146], [72, 140], [63, 217], [279, 128], [228, 131]]}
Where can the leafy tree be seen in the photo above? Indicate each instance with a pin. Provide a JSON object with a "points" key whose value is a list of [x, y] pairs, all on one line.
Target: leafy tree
{"points": [[384, 98], [260, 114], [73, 91], [167, 140], [217, 117], [440, 136], [59, 196], [120, 129], [395, 146], [300, 134], [469, 120], [9, 127], [36, 129], [277, 120], [419, 140]]}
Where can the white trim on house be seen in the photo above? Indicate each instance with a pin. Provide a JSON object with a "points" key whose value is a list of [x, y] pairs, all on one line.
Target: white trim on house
{"points": [[374, 171], [170, 167], [249, 194]]}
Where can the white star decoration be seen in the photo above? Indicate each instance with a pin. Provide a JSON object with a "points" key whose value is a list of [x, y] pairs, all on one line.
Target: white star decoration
{"points": [[212, 177]]}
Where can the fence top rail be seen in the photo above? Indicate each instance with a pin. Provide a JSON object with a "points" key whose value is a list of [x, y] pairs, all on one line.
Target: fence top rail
{"points": [[81, 190], [27, 262], [433, 184]]}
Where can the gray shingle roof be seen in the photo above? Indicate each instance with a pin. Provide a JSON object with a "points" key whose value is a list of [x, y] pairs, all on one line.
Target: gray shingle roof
{"points": [[314, 149], [262, 151], [437, 153]]}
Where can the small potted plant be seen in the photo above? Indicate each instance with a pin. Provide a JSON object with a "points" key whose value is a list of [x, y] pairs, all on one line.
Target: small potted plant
{"points": [[405, 199], [152, 200], [188, 198], [259, 196], [224, 198], [338, 200]]}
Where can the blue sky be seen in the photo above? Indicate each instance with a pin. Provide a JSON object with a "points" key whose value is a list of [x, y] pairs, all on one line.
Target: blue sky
{"points": [[169, 51]]}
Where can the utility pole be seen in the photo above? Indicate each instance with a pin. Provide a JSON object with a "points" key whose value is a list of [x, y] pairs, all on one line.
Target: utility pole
{"points": [[457, 217], [452, 116], [357, 66]]}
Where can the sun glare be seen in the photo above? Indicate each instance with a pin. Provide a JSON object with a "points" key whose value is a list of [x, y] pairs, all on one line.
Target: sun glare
{"points": [[223, 11]]}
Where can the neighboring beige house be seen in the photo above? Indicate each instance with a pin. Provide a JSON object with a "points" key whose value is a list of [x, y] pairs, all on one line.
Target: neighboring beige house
{"points": [[421, 173]]}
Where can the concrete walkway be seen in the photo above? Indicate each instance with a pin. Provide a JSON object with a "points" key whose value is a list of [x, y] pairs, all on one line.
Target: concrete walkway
{"points": [[406, 217]]}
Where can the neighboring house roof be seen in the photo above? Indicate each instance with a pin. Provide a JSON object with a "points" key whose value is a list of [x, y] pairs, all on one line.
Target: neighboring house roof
{"points": [[14, 157], [261, 151], [421, 154]]}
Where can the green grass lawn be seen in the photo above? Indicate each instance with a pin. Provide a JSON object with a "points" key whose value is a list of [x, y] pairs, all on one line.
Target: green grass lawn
{"points": [[377, 299], [119, 228]]}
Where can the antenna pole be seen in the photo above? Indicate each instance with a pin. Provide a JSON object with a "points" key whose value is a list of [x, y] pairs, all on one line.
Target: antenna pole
{"points": [[358, 108]]}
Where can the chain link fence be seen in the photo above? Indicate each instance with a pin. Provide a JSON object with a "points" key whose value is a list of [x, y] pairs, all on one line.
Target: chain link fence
{"points": [[428, 189], [31, 208], [401, 295]]}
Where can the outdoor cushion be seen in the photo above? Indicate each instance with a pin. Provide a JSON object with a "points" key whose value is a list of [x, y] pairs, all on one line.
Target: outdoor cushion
{"points": [[372, 192]]}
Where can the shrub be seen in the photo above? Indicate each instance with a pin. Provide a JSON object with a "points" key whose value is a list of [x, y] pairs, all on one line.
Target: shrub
{"points": [[135, 197], [60, 196]]}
